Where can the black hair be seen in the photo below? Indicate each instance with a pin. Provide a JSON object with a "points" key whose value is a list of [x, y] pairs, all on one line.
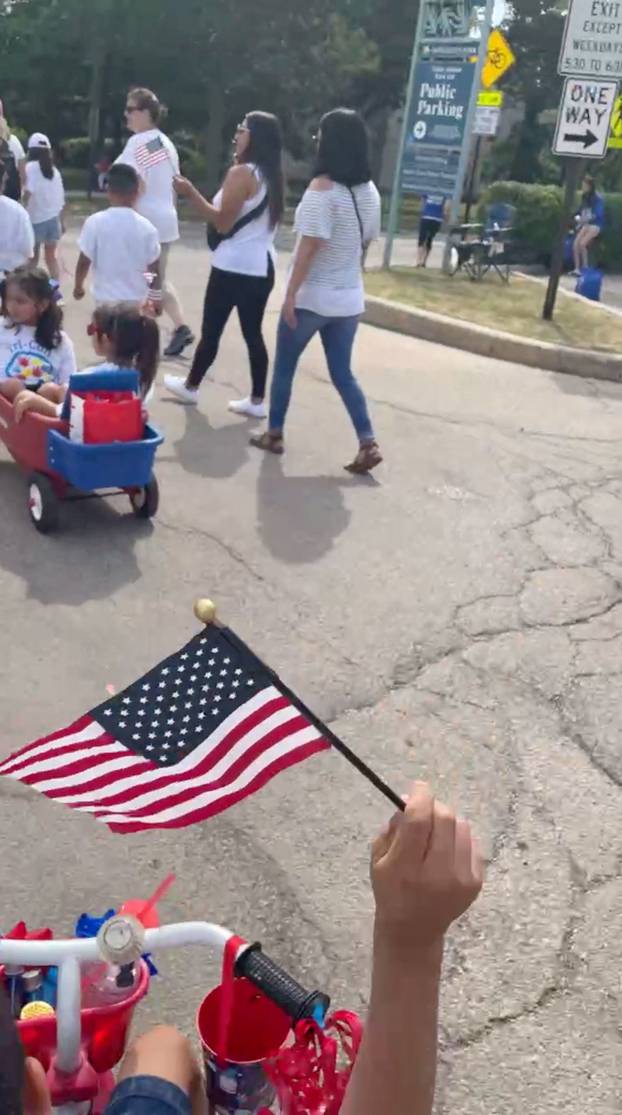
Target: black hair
{"points": [[135, 339], [12, 1062], [4, 170], [147, 101], [44, 157], [591, 186], [123, 180], [35, 283], [343, 149], [265, 150]]}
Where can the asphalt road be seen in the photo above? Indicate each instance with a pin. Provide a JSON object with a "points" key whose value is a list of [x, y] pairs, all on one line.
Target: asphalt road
{"points": [[458, 617]]}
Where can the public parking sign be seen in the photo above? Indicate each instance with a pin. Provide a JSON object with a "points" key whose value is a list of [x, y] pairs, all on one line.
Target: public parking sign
{"points": [[584, 118], [592, 40], [440, 103]]}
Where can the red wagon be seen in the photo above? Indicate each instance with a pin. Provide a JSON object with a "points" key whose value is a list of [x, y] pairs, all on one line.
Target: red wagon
{"points": [[60, 469]]}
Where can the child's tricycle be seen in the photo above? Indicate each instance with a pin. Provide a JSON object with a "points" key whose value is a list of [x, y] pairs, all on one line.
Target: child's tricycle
{"points": [[80, 1041], [60, 468]]}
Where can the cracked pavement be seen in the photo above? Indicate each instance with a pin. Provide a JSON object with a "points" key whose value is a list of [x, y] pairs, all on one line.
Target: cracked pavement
{"points": [[458, 618]]}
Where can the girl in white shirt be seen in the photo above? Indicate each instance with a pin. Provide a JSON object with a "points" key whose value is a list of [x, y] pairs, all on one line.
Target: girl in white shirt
{"points": [[44, 198]]}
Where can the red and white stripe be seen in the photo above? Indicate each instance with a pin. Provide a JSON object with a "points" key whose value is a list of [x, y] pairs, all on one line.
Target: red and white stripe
{"points": [[87, 769]]}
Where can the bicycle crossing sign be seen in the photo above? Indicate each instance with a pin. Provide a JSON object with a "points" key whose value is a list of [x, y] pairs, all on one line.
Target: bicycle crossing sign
{"points": [[499, 58]]}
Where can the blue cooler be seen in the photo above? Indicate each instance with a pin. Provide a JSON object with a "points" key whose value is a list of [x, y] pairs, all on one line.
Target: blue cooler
{"points": [[589, 283]]}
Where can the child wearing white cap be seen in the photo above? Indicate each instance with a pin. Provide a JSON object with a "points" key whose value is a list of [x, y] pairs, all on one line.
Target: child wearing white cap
{"points": [[44, 198]]}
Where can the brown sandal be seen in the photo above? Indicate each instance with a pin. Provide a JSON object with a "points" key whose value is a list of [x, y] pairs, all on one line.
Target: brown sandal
{"points": [[367, 458], [270, 443]]}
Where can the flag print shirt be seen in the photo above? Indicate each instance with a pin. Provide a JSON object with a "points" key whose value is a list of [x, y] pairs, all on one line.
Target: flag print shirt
{"points": [[155, 158], [21, 357]]}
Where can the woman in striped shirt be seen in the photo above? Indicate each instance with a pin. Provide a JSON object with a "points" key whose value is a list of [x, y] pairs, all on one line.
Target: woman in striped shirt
{"points": [[336, 220]]}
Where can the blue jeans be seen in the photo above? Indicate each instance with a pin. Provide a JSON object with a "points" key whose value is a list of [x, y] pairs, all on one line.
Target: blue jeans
{"points": [[148, 1095], [337, 335]]}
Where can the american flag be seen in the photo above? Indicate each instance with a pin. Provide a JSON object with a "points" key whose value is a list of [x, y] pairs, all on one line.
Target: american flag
{"points": [[204, 729], [151, 153]]}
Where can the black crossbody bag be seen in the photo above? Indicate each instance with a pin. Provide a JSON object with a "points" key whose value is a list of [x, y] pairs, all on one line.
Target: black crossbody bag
{"points": [[215, 238]]}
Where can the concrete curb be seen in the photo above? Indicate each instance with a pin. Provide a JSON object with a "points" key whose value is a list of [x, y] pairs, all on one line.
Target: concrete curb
{"points": [[489, 342]]}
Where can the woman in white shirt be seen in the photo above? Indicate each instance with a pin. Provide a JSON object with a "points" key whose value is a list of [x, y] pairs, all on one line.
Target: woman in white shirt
{"points": [[336, 220], [155, 157], [44, 198], [244, 217]]}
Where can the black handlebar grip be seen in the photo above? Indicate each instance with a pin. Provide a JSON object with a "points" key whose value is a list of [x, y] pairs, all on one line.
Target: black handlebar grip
{"points": [[280, 987]]}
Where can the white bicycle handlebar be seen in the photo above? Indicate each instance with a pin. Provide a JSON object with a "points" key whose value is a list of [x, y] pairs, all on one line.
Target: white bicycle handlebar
{"points": [[69, 954]]}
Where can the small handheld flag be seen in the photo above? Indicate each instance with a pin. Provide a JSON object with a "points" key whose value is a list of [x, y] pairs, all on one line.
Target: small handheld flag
{"points": [[204, 729]]}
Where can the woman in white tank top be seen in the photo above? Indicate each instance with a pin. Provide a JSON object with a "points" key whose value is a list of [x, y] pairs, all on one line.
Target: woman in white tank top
{"points": [[244, 217]]}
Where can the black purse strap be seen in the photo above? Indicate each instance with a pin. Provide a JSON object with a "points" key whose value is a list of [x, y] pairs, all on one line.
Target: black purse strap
{"points": [[248, 218], [215, 238], [360, 224]]}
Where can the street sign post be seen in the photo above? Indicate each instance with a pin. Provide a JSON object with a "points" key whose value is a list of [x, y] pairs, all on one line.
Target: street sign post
{"points": [[584, 118], [592, 40], [591, 48], [486, 120], [441, 96]]}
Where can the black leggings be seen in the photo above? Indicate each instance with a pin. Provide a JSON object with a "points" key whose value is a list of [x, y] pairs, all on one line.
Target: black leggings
{"points": [[248, 294]]}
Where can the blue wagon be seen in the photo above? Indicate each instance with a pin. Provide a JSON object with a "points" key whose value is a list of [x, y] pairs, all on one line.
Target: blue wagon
{"points": [[61, 469]]}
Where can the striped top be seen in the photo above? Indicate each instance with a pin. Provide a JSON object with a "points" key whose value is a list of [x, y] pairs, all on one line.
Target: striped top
{"points": [[334, 284]]}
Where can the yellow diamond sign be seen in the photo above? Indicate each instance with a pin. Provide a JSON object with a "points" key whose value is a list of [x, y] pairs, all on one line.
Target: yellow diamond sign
{"points": [[615, 135], [499, 58]]}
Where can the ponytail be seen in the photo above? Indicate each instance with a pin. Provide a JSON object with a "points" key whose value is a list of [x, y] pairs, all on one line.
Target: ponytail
{"points": [[148, 358], [135, 339]]}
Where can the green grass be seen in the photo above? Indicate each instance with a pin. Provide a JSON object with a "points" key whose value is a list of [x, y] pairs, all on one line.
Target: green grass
{"points": [[514, 307]]}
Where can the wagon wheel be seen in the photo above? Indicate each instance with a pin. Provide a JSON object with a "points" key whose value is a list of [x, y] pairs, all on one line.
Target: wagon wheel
{"points": [[43, 503], [145, 500]]}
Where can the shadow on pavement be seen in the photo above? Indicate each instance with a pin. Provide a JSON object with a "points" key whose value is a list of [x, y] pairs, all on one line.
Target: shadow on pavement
{"points": [[89, 558], [211, 451], [300, 517]]}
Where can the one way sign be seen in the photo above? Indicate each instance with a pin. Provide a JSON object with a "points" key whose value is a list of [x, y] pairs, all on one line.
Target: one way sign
{"points": [[584, 118]]}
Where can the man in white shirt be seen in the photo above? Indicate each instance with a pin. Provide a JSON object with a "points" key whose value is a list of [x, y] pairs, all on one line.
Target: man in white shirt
{"points": [[122, 247], [17, 242]]}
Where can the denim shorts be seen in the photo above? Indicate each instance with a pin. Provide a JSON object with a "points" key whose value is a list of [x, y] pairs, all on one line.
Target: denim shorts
{"points": [[47, 232], [148, 1095]]}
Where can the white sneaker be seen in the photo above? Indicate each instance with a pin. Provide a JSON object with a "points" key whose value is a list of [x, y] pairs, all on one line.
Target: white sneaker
{"points": [[249, 408], [177, 386]]}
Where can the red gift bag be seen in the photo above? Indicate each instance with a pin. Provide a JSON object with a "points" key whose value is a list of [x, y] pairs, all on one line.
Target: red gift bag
{"points": [[102, 417]]}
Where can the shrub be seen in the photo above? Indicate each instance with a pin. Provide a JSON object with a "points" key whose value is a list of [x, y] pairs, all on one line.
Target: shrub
{"points": [[538, 210]]}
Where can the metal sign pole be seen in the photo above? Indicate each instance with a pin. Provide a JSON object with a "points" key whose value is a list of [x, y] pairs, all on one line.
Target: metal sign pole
{"points": [[396, 194], [573, 170], [468, 128]]}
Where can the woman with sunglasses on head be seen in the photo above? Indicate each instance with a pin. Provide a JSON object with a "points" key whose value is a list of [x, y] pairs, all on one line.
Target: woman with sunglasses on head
{"points": [[155, 157], [243, 220], [336, 220]]}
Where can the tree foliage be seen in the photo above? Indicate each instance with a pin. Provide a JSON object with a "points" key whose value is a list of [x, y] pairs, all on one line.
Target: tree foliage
{"points": [[67, 63]]}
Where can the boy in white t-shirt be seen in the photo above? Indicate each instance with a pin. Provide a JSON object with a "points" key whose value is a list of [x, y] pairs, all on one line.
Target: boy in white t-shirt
{"points": [[122, 247]]}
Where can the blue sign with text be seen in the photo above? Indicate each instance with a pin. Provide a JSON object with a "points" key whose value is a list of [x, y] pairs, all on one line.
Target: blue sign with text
{"points": [[440, 102]]}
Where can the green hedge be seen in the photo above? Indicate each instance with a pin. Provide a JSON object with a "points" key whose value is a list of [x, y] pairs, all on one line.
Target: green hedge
{"points": [[538, 211]]}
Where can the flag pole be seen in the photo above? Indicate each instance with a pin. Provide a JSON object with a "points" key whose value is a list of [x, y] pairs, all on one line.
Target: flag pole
{"points": [[205, 611]]}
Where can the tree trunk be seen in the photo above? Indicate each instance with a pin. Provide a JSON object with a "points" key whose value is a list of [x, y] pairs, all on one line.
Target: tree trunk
{"points": [[214, 147], [101, 43]]}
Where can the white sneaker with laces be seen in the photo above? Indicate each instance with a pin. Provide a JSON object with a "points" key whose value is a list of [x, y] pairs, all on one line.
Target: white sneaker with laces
{"points": [[249, 408], [177, 386]]}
